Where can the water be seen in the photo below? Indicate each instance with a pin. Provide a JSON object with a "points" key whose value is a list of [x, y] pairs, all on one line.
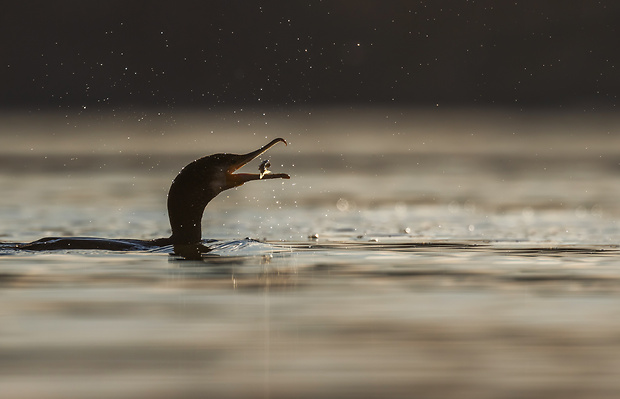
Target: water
{"points": [[462, 254]]}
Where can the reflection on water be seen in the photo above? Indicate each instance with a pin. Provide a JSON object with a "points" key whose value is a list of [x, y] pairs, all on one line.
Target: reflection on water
{"points": [[429, 274]]}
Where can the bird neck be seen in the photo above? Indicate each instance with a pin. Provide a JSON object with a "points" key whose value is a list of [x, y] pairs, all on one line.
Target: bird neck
{"points": [[185, 223], [187, 200]]}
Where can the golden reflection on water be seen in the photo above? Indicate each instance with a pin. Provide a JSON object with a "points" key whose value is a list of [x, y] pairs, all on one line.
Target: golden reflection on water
{"points": [[281, 325]]}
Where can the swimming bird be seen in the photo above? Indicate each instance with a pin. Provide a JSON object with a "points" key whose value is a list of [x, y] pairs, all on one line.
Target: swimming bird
{"points": [[192, 189]]}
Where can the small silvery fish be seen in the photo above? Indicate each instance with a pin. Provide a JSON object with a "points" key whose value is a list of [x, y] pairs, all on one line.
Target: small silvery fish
{"points": [[263, 168]]}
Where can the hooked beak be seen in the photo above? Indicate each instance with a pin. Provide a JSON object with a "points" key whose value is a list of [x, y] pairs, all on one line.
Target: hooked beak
{"points": [[234, 180]]}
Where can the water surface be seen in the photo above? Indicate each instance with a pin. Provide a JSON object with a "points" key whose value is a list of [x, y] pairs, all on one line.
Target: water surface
{"points": [[473, 268]]}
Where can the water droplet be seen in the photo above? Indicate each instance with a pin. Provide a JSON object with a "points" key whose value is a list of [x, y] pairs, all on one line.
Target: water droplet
{"points": [[342, 205]]}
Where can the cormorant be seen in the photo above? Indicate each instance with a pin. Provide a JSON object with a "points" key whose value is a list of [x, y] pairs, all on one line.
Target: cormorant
{"points": [[192, 189]]}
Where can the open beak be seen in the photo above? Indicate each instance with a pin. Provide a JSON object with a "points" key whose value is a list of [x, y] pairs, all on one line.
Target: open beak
{"points": [[234, 180]]}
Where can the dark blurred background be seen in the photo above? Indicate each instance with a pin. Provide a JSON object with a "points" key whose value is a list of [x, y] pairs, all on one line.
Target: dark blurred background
{"points": [[105, 55]]}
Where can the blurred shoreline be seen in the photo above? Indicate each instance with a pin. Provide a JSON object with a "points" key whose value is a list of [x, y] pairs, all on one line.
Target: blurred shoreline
{"points": [[312, 131]]}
